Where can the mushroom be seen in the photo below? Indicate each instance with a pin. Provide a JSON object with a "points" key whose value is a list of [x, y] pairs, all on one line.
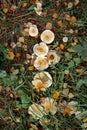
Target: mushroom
{"points": [[47, 36], [49, 105], [26, 32], [33, 31], [65, 39], [40, 49], [45, 77], [41, 63], [36, 111], [53, 56], [38, 9], [38, 85]]}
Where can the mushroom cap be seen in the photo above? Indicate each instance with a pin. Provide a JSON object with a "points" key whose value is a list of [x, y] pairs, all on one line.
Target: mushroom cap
{"points": [[53, 56], [36, 111], [26, 32], [38, 8], [38, 85], [45, 77], [40, 49], [49, 105], [65, 39], [41, 63], [33, 31], [47, 36]]}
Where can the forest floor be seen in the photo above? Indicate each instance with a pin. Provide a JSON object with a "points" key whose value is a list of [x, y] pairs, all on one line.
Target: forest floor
{"points": [[43, 65]]}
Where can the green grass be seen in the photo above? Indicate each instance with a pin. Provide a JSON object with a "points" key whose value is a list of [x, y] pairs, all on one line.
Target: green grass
{"points": [[16, 88]]}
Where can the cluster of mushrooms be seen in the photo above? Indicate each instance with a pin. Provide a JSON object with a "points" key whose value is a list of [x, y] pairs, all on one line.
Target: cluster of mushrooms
{"points": [[42, 57]]}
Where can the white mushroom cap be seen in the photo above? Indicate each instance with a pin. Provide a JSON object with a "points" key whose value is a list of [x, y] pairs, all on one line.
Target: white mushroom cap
{"points": [[53, 56], [26, 32], [47, 36], [65, 39], [33, 31], [36, 111], [49, 105], [40, 49], [38, 9], [45, 77], [38, 85], [41, 63]]}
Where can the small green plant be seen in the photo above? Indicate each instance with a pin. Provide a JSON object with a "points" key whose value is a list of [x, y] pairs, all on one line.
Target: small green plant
{"points": [[3, 53], [81, 48]]}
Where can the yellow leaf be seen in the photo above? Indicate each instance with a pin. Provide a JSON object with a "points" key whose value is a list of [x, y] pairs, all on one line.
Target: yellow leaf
{"points": [[67, 17], [79, 70], [31, 68], [67, 111], [61, 46], [11, 55], [5, 10], [59, 23], [24, 4], [56, 94], [85, 120]]}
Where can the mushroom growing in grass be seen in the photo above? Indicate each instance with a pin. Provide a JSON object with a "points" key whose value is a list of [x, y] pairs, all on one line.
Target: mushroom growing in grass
{"points": [[53, 56], [36, 111], [38, 85], [26, 32], [49, 105], [38, 9], [47, 36], [33, 31], [45, 77], [41, 63], [40, 49]]}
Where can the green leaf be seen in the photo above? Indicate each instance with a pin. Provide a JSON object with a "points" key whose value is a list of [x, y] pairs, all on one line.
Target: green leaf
{"points": [[7, 81], [15, 72], [78, 48], [25, 105], [71, 64], [4, 51], [80, 83], [18, 104], [31, 7], [25, 99], [68, 55], [77, 60], [52, 65], [81, 49], [3, 73], [13, 78], [55, 45]]}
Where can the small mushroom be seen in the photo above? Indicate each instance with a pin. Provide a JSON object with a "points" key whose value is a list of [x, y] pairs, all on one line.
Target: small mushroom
{"points": [[49, 105], [47, 36], [53, 56], [40, 49], [26, 32], [33, 31], [45, 77], [41, 63], [38, 85], [36, 111], [65, 39], [38, 9]]}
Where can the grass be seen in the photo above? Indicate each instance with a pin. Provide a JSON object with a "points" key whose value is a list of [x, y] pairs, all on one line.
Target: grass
{"points": [[69, 75]]}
